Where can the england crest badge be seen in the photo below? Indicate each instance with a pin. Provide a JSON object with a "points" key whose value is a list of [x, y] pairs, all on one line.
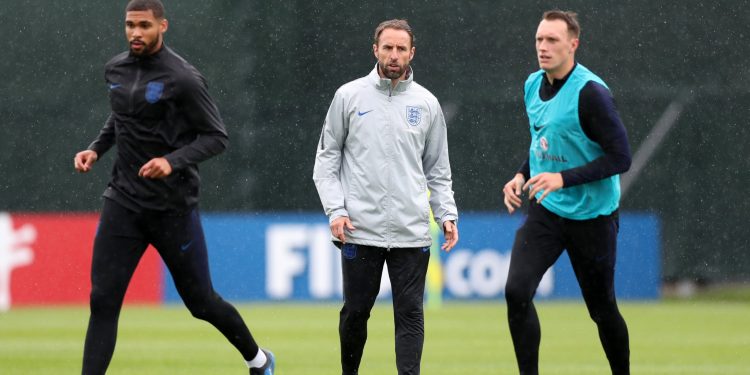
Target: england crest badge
{"points": [[153, 91], [413, 115]]}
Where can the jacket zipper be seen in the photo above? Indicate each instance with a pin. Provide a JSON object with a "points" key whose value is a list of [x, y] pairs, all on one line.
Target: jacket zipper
{"points": [[390, 189], [135, 86]]}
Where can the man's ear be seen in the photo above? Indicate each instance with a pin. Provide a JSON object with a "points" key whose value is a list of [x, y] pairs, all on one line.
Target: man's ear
{"points": [[574, 45]]}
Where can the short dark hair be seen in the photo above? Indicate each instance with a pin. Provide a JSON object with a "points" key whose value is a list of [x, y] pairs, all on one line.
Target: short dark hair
{"points": [[570, 18], [396, 24], [153, 5]]}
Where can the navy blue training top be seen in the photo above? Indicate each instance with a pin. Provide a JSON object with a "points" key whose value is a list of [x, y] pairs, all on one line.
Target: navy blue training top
{"points": [[160, 108]]}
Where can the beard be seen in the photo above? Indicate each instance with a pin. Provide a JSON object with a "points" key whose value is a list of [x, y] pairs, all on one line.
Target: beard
{"points": [[390, 73], [147, 48]]}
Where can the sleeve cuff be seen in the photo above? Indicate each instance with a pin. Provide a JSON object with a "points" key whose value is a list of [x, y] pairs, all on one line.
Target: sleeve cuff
{"points": [[445, 218], [337, 214]]}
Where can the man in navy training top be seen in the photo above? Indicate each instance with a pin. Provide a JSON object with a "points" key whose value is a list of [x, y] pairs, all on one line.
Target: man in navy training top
{"points": [[164, 123], [579, 147]]}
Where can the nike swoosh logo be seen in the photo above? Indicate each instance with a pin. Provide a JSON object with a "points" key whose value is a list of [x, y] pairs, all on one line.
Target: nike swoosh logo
{"points": [[538, 128], [186, 246], [114, 86], [360, 114]]}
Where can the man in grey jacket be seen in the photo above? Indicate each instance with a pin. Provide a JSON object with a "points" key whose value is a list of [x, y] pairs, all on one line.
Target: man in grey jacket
{"points": [[382, 148]]}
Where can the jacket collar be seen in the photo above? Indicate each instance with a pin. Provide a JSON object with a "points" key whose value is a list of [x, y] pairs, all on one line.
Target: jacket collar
{"points": [[152, 57], [384, 84]]}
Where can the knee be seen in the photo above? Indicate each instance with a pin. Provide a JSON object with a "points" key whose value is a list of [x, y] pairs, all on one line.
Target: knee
{"points": [[353, 312], [201, 312], [102, 303], [409, 308], [203, 308], [517, 295], [604, 312], [409, 303]]}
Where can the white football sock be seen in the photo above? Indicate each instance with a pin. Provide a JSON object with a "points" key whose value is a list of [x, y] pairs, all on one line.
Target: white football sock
{"points": [[258, 361]]}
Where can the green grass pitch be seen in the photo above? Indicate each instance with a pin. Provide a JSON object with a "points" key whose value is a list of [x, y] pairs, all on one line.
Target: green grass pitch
{"points": [[703, 337]]}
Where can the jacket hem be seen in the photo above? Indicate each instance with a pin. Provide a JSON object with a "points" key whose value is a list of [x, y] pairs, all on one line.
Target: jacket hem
{"points": [[382, 244]]}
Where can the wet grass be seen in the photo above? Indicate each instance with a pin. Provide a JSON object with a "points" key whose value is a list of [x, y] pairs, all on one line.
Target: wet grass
{"points": [[670, 337]]}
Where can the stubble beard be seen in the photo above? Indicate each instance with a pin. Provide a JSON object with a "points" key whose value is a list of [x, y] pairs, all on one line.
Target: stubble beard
{"points": [[392, 74], [147, 48]]}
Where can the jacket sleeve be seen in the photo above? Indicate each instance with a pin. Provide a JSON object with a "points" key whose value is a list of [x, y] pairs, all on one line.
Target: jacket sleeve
{"points": [[106, 138], [601, 123], [525, 169], [204, 119], [437, 170], [328, 159]]}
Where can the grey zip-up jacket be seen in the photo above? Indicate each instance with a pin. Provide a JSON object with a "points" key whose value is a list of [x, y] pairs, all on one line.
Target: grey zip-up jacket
{"points": [[380, 150]]}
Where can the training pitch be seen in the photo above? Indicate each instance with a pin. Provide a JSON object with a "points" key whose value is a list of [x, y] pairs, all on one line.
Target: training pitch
{"points": [[461, 338]]}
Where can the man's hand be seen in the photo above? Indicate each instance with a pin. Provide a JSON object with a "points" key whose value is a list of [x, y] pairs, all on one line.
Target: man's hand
{"points": [[512, 191], [548, 182], [84, 160], [155, 168], [450, 230], [338, 225]]}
